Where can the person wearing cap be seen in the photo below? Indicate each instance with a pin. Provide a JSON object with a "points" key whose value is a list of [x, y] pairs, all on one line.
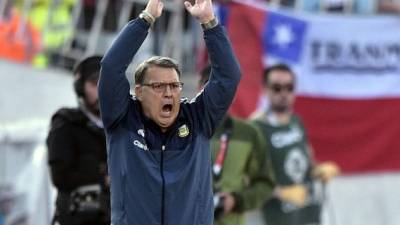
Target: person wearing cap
{"points": [[77, 154], [159, 144]]}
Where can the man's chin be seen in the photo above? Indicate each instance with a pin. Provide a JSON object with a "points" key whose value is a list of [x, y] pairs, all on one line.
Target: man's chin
{"points": [[280, 109], [164, 123], [93, 108]]}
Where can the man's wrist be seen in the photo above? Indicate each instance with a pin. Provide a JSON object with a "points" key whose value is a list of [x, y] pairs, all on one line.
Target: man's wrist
{"points": [[147, 17], [210, 24]]}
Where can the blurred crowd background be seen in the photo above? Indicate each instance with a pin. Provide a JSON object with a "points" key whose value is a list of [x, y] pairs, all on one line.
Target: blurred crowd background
{"points": [[47, 33], [346, 54]]}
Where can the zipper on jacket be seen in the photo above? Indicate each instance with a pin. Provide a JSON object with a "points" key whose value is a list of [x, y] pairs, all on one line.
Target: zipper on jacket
{"points": [[166, 139], [163, 183]]}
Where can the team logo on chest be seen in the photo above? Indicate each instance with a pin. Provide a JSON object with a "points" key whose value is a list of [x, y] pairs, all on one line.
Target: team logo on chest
{"points": [[183, 131], [296, 165]]}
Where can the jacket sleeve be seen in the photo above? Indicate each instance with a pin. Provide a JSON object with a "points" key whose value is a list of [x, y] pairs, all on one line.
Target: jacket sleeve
{"points": [[212, 103], [113, 85], [259, 172]]}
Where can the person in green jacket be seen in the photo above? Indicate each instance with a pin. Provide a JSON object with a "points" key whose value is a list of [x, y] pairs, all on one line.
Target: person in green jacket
{"points": [[294, 171], [240, 179]]}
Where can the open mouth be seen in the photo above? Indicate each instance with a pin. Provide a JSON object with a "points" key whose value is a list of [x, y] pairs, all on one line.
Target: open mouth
{"points": [[166, 109]]}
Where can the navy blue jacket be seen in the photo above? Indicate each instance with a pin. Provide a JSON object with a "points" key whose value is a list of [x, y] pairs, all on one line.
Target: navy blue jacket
{"points": [[162, 178]]}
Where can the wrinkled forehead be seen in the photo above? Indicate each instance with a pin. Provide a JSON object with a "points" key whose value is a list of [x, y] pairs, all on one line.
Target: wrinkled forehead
{"points": [[161, 74]]}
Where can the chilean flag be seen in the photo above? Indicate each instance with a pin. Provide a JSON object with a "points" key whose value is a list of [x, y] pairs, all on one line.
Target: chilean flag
{"points": [[347, 73]]}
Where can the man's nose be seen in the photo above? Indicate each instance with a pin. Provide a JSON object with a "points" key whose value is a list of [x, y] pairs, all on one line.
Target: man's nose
{"points": [[168, 90]]}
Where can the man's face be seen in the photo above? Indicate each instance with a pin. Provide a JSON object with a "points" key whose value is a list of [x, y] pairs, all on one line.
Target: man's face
{"points": [[280, 91], [160, 95], [91, 99]]}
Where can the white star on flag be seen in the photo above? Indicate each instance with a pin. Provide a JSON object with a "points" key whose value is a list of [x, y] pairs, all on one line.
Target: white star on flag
{"points": [[283, 35]]}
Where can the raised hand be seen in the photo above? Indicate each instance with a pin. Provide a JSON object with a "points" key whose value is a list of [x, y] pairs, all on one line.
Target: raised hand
{"points": [[202, 10], [154, 7]]}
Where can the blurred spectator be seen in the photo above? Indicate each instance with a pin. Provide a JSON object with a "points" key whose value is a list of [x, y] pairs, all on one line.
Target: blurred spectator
{"points": [[52, 19], [295, 199], [347, 6], [240, 180], [389, 6], [20, 39], [286, 3], [77, 154], [352, 6]]}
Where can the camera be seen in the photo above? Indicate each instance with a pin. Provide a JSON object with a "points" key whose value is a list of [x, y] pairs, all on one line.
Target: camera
{"points": [[218, 206], [86, 200]]}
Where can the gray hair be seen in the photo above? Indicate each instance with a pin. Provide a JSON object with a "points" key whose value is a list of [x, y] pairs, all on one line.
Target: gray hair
{"points": [[157, 61]]}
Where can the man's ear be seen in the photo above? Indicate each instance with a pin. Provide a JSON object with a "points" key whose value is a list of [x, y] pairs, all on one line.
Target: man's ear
{"points": [[138, 92]]}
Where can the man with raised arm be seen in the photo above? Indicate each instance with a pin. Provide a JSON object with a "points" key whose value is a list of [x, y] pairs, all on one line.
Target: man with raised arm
{"points": [[158, 144]]}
